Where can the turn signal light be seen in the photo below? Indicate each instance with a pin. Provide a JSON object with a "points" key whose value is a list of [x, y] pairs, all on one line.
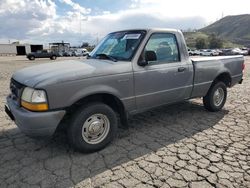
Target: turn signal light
{"points": [[38, 107]]}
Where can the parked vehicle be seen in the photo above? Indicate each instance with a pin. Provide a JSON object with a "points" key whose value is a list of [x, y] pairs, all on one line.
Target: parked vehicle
{"points": [[129, 72], [208, 52], [227, 52], [81, 52], [236, 51], [42, 54], [244, 51], [68, 53], [219, 51], [193, 52]]}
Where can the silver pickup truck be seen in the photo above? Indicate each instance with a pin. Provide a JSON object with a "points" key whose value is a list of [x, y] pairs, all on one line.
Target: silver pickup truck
{"points": [[127, 73]]}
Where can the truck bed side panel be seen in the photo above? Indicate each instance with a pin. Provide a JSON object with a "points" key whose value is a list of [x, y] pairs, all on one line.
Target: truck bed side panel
{"points": [[207, 69]]}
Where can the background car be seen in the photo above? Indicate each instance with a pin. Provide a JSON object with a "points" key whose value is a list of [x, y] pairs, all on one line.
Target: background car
{"points": [[219, 51], [227, 52], [209, 52], [68, 53], [193, 52], [244, 51], [81, 52], [238, 51]]}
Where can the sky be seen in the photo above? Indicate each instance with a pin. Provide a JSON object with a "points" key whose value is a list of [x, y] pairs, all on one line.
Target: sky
{"points": [[77, 21]]}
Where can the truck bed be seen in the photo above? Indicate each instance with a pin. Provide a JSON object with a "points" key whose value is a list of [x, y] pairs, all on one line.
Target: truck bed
{"points": [[206, 69]]}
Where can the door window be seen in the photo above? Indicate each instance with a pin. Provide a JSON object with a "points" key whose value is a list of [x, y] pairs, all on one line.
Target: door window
{"points": [[164, 45]]}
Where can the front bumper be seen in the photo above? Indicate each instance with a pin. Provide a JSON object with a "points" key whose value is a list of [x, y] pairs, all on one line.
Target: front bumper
{"points": [[34, 123]]}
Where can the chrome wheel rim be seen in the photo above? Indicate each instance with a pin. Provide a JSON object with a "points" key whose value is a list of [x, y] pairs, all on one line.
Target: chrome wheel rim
{"points": [[218, 97], [95, 129]]}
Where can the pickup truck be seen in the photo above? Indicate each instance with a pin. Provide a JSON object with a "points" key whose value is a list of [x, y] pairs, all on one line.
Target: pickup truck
{"points": [[127, 73], [42, 54]]}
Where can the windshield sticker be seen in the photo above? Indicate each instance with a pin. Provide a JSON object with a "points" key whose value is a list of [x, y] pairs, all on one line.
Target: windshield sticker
{"points": [[132, 36]]}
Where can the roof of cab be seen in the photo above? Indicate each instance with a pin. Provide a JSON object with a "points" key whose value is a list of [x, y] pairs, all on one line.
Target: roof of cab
{"points": [[150, 29]]}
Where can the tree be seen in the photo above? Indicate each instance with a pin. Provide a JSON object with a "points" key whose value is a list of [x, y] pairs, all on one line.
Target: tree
{"points": [[214, 42], [85, 45], [200, 43]]}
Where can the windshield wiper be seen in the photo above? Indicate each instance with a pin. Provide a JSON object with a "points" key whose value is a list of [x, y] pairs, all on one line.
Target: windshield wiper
{"points": [[106, 56]]}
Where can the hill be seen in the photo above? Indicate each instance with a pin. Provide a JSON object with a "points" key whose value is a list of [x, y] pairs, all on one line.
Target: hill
{"points": [[191, 37], [233, 28]]}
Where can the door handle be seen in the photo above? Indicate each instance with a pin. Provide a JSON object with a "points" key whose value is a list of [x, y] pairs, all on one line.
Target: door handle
{"points": [[181, 69]]}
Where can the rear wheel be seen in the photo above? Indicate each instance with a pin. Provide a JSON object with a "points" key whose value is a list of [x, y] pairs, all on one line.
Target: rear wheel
{"points": [[216, 97], [31, 58], [92, 127], [53, 57]]}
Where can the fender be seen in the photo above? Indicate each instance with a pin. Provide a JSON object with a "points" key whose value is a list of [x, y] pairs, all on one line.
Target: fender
{"points": [[92, 90]]}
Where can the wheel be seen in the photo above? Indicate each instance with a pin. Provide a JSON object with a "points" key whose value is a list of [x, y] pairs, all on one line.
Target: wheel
{"points": [[92, 127], [32, 58], [53, 57], [216, 97]]}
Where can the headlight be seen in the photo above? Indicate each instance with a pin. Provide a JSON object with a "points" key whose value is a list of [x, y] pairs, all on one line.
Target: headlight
{"points": [[34, 100]]}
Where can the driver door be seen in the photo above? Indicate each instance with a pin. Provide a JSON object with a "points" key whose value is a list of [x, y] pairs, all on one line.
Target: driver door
{"points": [[165, 80]]}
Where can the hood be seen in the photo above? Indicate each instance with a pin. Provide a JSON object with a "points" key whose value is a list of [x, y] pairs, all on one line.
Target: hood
{"points": [[63, 71]]}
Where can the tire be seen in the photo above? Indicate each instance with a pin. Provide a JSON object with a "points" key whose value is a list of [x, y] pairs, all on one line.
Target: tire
{"points": [[53, 57], [32, 58], [216, 97], [86, 120]]}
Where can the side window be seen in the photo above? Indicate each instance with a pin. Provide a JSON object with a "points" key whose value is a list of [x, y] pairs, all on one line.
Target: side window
{"points": [[164, 45]]}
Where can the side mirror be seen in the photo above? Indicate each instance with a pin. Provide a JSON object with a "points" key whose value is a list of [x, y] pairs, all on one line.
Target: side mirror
{"points": [[149, 56]]}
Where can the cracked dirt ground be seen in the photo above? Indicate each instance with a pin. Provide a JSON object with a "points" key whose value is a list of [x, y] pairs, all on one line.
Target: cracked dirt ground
{"points": [[180, 145]]}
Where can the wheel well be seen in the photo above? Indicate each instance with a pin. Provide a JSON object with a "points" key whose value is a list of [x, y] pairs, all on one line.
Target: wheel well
{"points": [[224, 77], [108, 99]]}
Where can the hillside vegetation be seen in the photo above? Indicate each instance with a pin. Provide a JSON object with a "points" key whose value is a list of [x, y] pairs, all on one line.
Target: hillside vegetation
{"points": [[233, 30]]}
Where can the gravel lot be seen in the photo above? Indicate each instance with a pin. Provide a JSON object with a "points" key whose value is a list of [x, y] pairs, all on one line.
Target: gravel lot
{"points": [[174, 146]]}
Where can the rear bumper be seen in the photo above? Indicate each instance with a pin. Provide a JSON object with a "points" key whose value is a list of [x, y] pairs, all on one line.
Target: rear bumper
{"points": [[237, 79], [35, 124]]}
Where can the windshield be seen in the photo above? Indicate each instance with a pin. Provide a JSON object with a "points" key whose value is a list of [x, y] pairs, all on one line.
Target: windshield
{"points": [[119, 45]]}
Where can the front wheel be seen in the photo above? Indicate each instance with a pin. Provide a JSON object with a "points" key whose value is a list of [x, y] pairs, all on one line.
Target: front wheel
{"points": [[53, 57], [216, 97], [92, 127]]}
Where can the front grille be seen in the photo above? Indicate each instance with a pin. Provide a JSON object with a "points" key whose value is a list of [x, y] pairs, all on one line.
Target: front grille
{"points": [[16, 89]]}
